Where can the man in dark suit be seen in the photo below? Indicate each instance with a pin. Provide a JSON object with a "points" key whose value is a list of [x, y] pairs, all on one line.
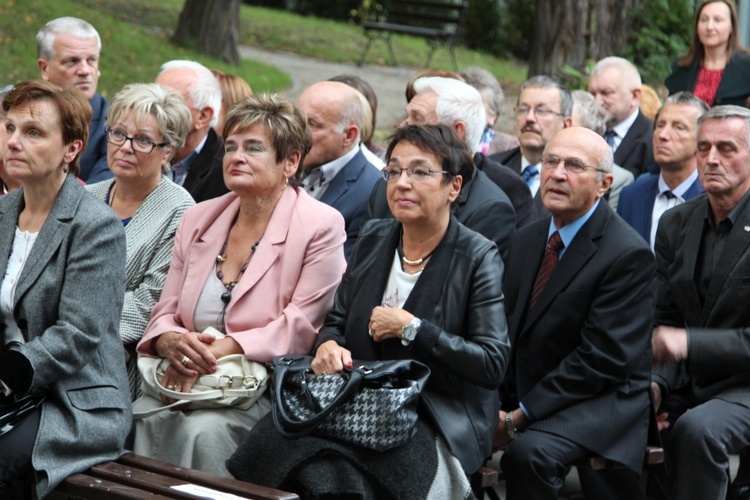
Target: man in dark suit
{"points": [[335, 170], [68, 55], [643, 203], [616, 84], [578, 382], [543, 109], [197, 166], [484, 206], [701, 344]]}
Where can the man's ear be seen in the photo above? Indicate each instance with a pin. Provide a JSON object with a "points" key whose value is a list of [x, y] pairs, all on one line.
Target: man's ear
{"points": [[43, 68], [351, 133], [567, 122], [460, 128], [205, 115]]}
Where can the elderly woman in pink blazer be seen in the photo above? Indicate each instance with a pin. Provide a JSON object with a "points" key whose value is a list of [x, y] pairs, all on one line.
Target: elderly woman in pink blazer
{"points": [[260, 264]]}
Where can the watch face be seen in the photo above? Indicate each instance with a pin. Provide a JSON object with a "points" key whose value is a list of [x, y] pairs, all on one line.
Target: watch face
{"points": [[409, 332]]}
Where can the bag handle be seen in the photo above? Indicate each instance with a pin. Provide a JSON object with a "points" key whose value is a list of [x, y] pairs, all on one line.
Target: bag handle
{"points": [[297, 428]]}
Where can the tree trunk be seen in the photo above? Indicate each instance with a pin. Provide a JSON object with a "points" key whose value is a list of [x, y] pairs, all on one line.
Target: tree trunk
{"points": [[212, 26], [613, 21], [561, 36]]}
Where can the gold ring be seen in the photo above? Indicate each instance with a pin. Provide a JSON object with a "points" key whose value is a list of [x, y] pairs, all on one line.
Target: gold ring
{"points": [[185, 360], [171, 387], [178, 388], [325, 373]]}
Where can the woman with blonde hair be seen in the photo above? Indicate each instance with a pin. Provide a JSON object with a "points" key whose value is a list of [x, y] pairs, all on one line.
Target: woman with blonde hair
{"points": [[233, 89]]}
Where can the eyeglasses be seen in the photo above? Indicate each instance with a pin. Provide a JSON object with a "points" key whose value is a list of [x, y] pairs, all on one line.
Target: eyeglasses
{"points": [[140, 143], [415, 174], [538, 111], [572, 165]]}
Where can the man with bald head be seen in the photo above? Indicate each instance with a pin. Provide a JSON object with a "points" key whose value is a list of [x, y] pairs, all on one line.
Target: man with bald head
{"points": [[616, 84], [579, 298], [335, 170]]}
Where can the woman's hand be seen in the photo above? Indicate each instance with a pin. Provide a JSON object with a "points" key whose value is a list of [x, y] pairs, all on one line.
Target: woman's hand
{"points": [[387, 323], [225, 347], [188, 353], [175, 380], [331, 358]]}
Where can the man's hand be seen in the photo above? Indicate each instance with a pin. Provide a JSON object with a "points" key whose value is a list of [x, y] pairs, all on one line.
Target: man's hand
{"points": [[661, 418], [669, 345]]}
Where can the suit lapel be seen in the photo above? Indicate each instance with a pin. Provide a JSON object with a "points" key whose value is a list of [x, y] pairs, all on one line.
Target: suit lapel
{"points": [[51, 234], [10, 207], [582, 248], [647, 207], [734, 249], [693, 233], [340, 184], [631, 137]]}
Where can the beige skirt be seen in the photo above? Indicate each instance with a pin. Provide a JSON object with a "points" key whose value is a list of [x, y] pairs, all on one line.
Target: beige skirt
{"points": [[201, 439]]}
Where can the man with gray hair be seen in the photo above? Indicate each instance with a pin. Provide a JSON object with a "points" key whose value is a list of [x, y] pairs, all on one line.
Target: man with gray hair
{"points": [[579, 298], [67, 51], [485, 204], [197, 166], [336, 171], [675, 148], [616, 84], [587, 113], [701, 344], [543, 109]]}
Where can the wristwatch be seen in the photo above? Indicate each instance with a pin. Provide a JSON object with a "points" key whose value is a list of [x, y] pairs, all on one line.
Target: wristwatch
{"points": [[510, 426], [409, 331]]}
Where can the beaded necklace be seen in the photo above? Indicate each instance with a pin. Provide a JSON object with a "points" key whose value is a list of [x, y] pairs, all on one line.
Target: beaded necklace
{"points": [[226, 297]]}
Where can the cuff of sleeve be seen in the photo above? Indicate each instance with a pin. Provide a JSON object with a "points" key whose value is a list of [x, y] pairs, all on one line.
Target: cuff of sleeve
{"points": [[16, 372], [526, 412], [427, 337]]}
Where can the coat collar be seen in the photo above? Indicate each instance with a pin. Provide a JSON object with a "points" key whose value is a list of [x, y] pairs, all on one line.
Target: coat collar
{"points": [[347, 175]]}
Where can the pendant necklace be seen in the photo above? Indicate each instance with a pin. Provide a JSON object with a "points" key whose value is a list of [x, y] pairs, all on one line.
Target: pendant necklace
{"points": [[411, 262], [226, 297]]}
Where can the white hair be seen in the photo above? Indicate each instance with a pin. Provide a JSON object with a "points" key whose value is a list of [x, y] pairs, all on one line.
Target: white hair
{"points": [[627, 70], [457, 101], [73, 26], [205, 92]]}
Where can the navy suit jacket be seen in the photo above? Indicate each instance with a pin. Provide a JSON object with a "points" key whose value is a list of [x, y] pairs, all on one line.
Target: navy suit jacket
{"points": [[348, 193], [581, 356], [636, 151], [636, 203], [94, 166], [205, 179]]}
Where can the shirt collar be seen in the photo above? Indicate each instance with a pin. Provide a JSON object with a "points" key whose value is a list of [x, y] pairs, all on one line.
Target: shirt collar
{"points": [[680, 190], [569, 231], [332, 168], [621, 129]]}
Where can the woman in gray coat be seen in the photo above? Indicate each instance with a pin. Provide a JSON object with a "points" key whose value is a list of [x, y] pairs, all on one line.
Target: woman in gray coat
{"points": [[62, 259]]}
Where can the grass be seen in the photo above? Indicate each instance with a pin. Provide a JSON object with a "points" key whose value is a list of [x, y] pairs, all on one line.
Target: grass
{"points": [[132, 49]]}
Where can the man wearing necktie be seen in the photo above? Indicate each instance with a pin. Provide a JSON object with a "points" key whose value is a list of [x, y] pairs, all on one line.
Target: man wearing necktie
{"points": [[579, 290], [675, 146], [616, 84], [543, 108]]}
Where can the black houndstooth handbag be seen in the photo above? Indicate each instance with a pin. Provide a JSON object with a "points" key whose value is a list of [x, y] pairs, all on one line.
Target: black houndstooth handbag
{"points": [[374, 405]]}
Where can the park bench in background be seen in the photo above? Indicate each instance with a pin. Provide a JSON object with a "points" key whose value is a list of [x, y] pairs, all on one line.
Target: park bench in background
{"points": [[438, 22], [137, 477]]}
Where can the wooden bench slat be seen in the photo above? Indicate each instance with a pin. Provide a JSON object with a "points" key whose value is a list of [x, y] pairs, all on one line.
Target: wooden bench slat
{"points": [[413, 30], [144, 480], [86, 486], [201, 478]]}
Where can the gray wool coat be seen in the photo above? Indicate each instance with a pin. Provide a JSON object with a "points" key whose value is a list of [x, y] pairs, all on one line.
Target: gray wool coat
{"points": [[68, 303]]}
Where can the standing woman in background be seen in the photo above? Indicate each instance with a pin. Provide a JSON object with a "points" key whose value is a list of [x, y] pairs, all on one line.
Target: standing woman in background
{"points": [[62, 262], [717, 68]]}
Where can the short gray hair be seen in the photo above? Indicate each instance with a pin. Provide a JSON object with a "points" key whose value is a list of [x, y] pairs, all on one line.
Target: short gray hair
{"points": [[206, 92], [488, 87], [684, 98], [627, 70], [727, 112], [172, 115], [590, 112], [78, 28], [457, 101], [352, 110], [544, 81]]}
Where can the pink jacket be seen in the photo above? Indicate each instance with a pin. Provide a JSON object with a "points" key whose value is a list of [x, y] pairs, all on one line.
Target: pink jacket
{"points": [[282, 299]]}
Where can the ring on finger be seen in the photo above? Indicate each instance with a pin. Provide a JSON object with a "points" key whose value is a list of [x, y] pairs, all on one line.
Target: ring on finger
{"points": [[185, 360], [369, 331]]}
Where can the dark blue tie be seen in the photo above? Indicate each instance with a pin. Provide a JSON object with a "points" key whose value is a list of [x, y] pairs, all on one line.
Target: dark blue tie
{"points": [[528, 175], [609, 136]]}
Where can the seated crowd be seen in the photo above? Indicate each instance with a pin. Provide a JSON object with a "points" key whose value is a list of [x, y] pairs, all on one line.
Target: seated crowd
{"points": [[575, 289]]}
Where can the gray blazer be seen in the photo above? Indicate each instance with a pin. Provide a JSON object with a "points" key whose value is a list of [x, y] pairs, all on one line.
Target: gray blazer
{"points": [[68, 303], [150, 237]]}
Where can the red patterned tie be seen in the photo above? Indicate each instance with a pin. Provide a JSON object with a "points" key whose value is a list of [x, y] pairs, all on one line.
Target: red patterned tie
{"points": [[549, 262]]}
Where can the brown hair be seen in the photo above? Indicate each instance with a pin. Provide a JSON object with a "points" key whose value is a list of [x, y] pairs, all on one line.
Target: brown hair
{"points": [[73, 109], [697, 51], [284, 120]]}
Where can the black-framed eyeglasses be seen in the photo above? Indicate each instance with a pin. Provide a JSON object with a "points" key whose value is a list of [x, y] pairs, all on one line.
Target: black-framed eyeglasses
{"points": [[572, 165], [140, 143], [539, 111], [415, 174]]}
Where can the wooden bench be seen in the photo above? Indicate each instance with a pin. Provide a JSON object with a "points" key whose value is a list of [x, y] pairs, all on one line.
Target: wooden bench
{"points": [[438, 22], [137, 477]]}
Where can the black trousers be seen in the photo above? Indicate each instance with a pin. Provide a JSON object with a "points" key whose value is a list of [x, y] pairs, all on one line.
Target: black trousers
{"points": [[16, 447]]}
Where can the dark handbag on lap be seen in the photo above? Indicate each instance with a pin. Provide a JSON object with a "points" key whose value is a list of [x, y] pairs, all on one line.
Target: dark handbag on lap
{"points": [[374, 405]]}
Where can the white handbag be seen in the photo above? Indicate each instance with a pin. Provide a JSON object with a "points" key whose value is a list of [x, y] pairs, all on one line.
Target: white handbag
{"points": [[237, 383]]}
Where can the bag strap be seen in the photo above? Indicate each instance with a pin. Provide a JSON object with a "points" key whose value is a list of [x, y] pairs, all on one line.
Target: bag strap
{"points": [[290, 428]]}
